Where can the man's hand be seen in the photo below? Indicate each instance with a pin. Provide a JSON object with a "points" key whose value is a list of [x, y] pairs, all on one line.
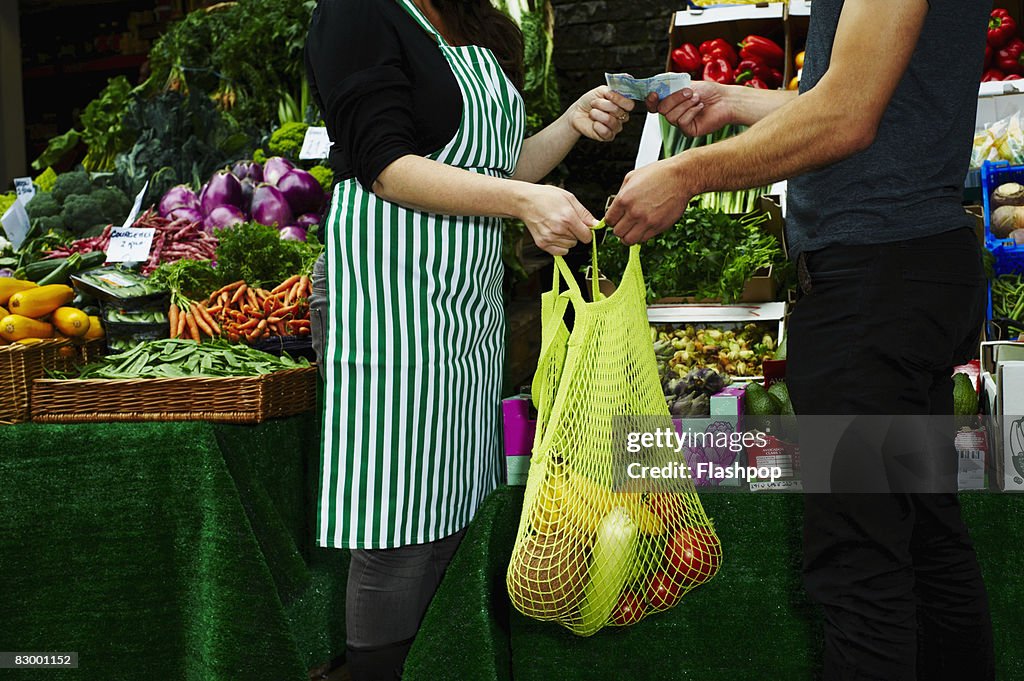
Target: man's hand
{"points": [[697, 110], [650, 201]]}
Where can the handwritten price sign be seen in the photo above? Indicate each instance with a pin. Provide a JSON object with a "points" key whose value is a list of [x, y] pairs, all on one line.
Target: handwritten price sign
{"points": [[130, 244]]}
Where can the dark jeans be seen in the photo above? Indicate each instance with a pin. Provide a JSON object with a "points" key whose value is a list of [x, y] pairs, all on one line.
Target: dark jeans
{"points": [[878, 331], [388, 593]]}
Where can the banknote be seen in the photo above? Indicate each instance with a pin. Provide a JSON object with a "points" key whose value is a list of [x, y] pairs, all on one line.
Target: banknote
{"points": [[662, 84]]}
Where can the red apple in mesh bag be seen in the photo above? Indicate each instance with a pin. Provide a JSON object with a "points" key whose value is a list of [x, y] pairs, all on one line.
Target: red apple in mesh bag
{"points": [[663, 591], [629, 609], [694, 555]]}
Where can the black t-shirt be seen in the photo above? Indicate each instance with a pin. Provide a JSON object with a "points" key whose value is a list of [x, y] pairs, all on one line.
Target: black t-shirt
{"points": [[383, 86], [909, 182]]}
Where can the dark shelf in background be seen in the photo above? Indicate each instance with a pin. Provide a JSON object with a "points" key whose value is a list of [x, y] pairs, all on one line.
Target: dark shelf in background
{"points": [[99, 65]]}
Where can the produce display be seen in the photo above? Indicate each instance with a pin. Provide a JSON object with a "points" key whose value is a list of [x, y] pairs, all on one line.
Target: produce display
{"points": [[240, 313], [1007, 218], [757, 62], [1004, 49], [179, 358], [737, 351], [690, 395], [1008, 297], [77, 204], [706, 255], [29, 311], [275, 194]]}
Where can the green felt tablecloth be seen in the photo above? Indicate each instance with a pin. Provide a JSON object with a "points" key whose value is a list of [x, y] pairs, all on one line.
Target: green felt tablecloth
{"points": [[167, 551], [752, 622]]}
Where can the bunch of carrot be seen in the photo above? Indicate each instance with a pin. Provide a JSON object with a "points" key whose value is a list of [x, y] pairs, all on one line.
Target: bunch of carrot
{"points": [[240, 312]]}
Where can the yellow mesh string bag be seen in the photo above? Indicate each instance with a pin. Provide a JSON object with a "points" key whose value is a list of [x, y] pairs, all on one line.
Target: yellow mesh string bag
{"points": [[593, 548]]}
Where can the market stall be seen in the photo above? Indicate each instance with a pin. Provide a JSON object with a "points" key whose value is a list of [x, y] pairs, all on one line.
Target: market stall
{"points": [[751, 622], [168, 549], [159, 411]]}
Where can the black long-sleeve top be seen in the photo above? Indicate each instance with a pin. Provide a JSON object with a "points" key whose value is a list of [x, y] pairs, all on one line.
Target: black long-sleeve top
{"points": [[383, 86]]}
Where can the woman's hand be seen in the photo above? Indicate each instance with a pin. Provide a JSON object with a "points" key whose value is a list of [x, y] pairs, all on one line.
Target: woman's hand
{"points": [[697, 110], [555, 218], [600, 114]]}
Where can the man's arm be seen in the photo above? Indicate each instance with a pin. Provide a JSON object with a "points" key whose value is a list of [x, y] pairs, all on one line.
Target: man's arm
{"points": [[837, 118]]}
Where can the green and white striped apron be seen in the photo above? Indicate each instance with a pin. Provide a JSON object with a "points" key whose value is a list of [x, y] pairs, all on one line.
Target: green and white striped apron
{"points": [[415, 339]]}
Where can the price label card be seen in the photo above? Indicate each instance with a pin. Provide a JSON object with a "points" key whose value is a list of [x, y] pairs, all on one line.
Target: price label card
{"points": [[15, 223], [135, 213], [316, 144], [130, 244], [24, 189]]}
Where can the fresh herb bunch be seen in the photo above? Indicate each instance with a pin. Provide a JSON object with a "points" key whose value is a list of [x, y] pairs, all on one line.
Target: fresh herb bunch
{"points": [[192, 279], [257, 254], [706, 255]]}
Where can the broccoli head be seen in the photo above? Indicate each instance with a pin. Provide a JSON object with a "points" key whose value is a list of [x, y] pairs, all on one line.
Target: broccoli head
{"points": [[114, 204], [42, 205], [259, 156], [82, 211], [287, 140], [70, 184]]}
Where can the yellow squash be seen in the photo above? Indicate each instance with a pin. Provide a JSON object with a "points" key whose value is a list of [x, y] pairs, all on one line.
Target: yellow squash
{"points": [[95, 330], [70, 321], [8, 287], [41, 300], [15, 327]]}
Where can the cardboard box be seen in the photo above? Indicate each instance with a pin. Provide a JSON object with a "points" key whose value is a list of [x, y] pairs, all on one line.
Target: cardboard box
{"points": [[972, 454], [777, 453], [732, 22], [1002, 396]]}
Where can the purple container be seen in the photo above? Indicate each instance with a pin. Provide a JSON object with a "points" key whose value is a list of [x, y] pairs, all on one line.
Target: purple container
{"points": [[519, 427]]}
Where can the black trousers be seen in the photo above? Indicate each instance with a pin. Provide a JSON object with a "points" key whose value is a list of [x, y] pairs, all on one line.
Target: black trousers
{"points": [[388, 593], [877, 331]]}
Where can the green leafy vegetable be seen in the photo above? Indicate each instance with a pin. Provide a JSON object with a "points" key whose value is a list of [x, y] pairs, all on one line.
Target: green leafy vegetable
{"points": [[287, 140], [257, 254], [193, 279], [707, 254]]}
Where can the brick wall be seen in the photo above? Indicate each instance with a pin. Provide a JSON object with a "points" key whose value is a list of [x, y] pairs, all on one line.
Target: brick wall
{"points": [[592, 37]]}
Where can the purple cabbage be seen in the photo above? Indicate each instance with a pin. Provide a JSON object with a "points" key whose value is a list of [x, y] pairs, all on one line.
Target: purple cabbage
{"points": [[190, 214], [269, 207], [275, 168], [223, 189], [292, 233], [248, 170], [176, 198], [308, 220], [303, 193], [225, 216]]}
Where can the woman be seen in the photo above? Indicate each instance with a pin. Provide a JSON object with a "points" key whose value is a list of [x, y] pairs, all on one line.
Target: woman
{"points": [[427, 131]]}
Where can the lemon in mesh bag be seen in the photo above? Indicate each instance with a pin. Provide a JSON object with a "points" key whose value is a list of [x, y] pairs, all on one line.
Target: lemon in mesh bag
{"points": [[595, 548]]}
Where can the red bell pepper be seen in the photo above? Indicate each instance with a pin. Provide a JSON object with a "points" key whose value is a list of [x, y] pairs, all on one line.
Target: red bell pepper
{"points": [[686, 58], [719, 48], [1001, 27], [992, 74], [719, 71], [762, 49], [756, 83], [754, 68], [1012, 76], [1010, 59]]}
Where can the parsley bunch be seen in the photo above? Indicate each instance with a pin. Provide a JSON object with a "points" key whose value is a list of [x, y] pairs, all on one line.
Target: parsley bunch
{"points": [[707, 254]]}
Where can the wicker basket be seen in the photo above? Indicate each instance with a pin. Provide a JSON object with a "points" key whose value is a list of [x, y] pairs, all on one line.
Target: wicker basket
{"points": [[20, 365], [221, 400]]}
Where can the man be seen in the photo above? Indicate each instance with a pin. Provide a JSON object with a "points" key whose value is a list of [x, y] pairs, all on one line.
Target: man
{"points": [[877, 146]]}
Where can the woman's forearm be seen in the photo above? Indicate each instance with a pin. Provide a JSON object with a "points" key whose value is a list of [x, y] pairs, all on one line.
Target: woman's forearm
{"points": [[545, 150], [429, 186]]}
